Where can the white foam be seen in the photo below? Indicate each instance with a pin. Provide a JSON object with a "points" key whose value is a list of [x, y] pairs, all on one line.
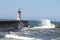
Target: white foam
{"points": [[45, 24], [19, 37]]}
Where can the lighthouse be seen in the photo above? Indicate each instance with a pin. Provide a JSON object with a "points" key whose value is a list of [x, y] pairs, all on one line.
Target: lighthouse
{"points": [[19, 15]]}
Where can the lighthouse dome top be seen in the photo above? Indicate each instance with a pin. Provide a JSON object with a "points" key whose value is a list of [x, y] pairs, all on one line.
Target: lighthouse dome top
{"points": [[19, 10]]}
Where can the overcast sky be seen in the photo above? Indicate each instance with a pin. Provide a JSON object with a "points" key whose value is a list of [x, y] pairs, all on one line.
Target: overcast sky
{"points": [[31, 9]]}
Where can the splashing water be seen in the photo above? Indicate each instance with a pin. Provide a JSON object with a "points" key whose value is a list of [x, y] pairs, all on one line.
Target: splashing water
{"points": [[45, 24]]}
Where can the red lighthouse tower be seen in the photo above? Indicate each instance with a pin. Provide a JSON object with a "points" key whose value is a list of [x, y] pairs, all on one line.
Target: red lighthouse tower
{"points": [[19, 15]]}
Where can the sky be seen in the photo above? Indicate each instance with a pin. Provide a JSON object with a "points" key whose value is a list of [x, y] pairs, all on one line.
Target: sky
{"points": [[30, 9]]}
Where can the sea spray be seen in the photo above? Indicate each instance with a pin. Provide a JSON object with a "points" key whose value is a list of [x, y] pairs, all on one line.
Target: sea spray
{"points": [[45, 24]]}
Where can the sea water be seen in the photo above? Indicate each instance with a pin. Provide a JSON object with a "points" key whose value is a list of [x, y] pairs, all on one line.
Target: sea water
{"points": [[38, 34], [35, 23]]}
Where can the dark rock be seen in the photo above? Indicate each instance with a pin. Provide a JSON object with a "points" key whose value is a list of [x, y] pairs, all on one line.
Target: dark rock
{"points": [[57, 26]]}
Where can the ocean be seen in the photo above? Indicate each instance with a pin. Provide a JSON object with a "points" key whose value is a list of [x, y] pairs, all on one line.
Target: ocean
{"points": [[35, 23], [38, 34]]}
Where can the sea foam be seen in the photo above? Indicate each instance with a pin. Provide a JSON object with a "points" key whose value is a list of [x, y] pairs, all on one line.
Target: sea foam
{"points": [[45, 24]]}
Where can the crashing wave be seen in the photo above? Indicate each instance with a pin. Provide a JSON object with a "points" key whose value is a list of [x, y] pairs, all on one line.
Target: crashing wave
{"points": [[45, 24]]}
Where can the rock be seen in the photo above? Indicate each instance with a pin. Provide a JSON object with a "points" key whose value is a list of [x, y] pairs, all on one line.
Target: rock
{"points": [[57, 26]]}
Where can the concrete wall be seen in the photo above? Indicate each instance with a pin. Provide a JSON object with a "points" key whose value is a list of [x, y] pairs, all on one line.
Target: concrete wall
{"points": [[9, 27]]}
